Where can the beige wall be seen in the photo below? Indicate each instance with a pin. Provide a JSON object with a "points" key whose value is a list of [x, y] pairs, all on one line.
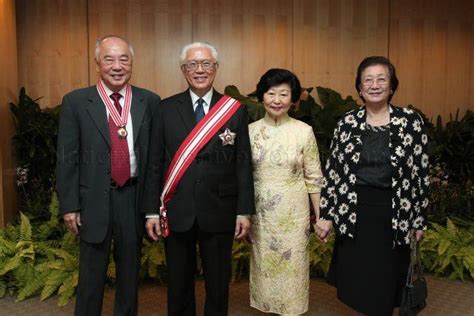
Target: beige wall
{"points": [[430, 42], [52, 48], [8, 93]]}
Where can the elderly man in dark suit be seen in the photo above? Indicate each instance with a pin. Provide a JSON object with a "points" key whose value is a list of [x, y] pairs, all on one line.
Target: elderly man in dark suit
{"points": [[103, 143], [214, 196]]}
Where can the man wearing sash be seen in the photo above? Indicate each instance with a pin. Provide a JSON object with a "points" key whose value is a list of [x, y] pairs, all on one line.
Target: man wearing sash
{"points": [[199, 186], [103, 143]]}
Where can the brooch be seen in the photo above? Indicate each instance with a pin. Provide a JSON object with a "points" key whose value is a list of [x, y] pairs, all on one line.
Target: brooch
{"points": [[227, 137]]}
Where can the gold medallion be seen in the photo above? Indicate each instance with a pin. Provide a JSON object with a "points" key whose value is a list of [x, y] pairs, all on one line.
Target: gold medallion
{"points": [[122, 132]]}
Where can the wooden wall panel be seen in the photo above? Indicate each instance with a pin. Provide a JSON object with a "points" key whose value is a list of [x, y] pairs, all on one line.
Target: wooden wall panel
{"points": [[332, 37], [432, 46], [8, 93], [157, 31], [323, 41], [52, 47], [251, 36]]}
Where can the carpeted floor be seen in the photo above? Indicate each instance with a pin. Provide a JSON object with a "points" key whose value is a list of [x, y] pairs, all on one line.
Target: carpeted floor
{"points": [[445, 298]]}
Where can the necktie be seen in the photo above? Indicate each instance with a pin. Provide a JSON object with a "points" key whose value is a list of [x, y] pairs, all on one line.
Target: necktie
{"points": [[119, 156], [199, 112]]}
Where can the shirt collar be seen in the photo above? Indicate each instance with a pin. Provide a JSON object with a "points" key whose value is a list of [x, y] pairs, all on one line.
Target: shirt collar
{"points": [[207, 97], [109, 92]]}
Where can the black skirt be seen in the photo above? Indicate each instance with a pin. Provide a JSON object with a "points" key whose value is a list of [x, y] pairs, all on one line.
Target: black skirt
{"points": [[367, 271]]}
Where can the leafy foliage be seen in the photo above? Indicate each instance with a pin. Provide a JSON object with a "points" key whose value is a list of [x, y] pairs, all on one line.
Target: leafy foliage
{"points": [[449, 251], [35, 145], [152, 260], [31, 263], [453, 146], [320, 255], [241, 260], [452, 159]]}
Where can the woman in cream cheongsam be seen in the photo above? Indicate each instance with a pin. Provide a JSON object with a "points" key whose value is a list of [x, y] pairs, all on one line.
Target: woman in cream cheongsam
{"points": [[287, 179]]}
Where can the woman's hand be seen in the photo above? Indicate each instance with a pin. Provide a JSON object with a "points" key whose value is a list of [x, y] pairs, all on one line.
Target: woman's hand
{"points": [[323, 229], [418, 234]]}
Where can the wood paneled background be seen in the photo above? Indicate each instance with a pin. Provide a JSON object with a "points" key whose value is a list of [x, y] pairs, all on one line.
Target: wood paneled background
{"points": [[430, 42], [8, 92]]}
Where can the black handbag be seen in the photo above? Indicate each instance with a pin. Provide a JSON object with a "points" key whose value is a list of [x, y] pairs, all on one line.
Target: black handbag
{"points": [[415, 292]]}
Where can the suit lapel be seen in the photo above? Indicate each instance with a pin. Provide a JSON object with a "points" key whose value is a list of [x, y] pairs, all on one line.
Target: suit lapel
{"points": [[137, 111], [185, 110], [96, 109]]}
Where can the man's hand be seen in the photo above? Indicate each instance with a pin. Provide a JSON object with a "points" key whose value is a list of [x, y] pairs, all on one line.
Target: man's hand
{"points": [[153, 228], [242, 227], [322, 229], [72, 221]]}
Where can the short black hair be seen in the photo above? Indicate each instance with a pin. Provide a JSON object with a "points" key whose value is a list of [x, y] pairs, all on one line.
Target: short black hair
{"points": [[377, 60], [275, 77]]}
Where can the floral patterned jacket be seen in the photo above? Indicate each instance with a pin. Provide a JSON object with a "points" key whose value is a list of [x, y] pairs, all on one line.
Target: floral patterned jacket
{"points": [[410, 180]]}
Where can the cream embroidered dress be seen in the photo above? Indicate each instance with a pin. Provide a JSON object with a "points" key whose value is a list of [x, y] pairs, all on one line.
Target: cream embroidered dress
{"points": [[286, 168]]}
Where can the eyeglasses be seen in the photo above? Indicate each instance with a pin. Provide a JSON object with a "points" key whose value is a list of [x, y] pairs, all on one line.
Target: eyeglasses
{"points": [[193, 65], [368, 82]]}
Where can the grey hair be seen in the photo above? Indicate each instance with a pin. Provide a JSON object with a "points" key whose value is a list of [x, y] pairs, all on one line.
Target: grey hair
{"points": [[101, 40], [185, 49]]}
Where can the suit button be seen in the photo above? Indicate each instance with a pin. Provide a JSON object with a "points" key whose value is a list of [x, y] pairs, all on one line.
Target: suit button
{"points": [[198, 181], [106, 192], [198, 159], [108, 171]]}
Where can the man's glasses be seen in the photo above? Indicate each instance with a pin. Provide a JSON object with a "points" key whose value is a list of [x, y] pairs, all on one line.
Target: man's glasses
{"points": [[193, 65]]}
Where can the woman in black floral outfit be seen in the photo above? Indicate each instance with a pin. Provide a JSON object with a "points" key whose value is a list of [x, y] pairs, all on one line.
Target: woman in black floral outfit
{"points": [[375, 193]]}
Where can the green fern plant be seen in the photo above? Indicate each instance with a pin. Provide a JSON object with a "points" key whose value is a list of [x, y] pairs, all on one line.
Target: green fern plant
{"points": [[62, 275], [240, 260], [56, 272], [449, 251], [153, 260], [51, 230], [18, 256], [21, 251], [7, 251], [31, 266], [319, 255]]}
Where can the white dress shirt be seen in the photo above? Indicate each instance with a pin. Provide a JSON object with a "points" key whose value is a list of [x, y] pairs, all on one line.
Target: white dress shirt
{"points": [[207, 100], [129, 127]]}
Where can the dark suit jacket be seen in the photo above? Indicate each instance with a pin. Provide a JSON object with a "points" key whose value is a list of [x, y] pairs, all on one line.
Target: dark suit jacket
{"points": [[83, 166], [219, 183]]}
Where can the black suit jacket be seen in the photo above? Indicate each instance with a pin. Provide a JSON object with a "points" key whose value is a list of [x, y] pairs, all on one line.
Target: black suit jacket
{"points": [[218, 184], [83, 165]]}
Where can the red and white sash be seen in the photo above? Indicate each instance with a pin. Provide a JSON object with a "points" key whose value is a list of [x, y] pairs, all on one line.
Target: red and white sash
{"points": [[201, 134]]}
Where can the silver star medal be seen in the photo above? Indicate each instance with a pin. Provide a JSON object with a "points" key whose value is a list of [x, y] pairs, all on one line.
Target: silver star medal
{"points": [[227, 137]]}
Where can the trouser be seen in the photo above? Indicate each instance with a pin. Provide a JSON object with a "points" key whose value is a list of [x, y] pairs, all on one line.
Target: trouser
{"points": [[216, 254], [94, 260]]}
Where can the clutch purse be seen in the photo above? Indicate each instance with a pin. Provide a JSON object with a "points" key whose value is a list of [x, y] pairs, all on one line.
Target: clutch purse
{"points": [[415, 292]]}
